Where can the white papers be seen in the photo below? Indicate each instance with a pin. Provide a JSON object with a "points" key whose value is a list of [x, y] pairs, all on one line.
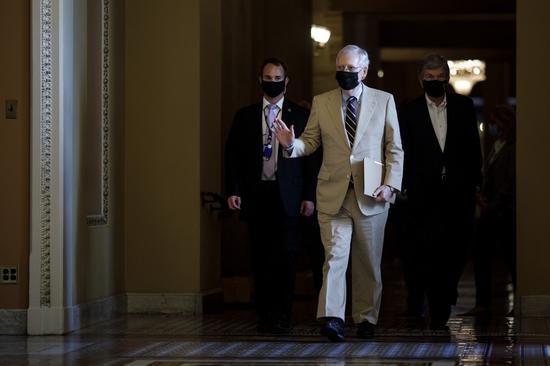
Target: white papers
{"points": [[373, 175]]}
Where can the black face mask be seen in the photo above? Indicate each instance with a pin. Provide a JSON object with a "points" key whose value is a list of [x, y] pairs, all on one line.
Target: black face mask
{"points": [[434, 88], [273, 88], [347, 80], [493, 130]]}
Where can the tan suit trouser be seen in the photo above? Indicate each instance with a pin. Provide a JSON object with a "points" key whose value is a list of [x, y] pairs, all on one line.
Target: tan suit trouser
{"points": [[364, 235]]}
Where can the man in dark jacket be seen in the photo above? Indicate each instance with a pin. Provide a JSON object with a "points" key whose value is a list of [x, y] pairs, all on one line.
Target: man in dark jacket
{"points": [[441, 174], [496, 226], [271, 193]]}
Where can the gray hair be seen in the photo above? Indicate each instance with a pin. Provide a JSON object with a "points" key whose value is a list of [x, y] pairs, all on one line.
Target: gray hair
{"points": [[434, 61], [351, 48]]}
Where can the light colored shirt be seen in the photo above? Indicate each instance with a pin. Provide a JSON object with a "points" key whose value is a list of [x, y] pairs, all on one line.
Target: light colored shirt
{"points": [[265, 132], [356, 92], [497, 146], [438, 115]]}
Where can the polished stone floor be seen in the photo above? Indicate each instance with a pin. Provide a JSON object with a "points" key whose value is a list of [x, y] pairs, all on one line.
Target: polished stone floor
{"points": [[231, 339]]}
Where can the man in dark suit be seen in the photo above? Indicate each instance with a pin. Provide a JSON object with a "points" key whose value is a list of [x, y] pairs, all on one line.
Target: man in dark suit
{"points": [[271, 193], [496, 225], [441, 174]]}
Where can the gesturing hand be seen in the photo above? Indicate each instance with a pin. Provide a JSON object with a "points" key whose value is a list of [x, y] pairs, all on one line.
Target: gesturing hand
{"points": [[283, 133]]}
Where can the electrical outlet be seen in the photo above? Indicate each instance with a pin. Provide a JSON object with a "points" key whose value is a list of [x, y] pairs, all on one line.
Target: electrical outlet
{"points": [[8, 274], [11, 109]]}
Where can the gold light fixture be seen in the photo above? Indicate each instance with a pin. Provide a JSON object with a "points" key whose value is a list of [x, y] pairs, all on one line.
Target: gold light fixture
{"points": [[465, 73], [320, 35]]}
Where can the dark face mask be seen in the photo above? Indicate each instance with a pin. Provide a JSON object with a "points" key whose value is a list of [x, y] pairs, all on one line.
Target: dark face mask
{"points": [[347, 79], [493, 130], [434, 88], [273, 88]]}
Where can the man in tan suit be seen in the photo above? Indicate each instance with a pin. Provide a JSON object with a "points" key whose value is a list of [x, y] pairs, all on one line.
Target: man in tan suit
{"points": [[352, 123]]}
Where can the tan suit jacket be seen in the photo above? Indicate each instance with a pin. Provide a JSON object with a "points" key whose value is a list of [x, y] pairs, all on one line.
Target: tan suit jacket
{"points": [[377, 137]]}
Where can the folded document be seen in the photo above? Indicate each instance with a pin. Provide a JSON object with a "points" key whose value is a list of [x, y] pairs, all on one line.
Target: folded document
{"points": [[373, 174]]}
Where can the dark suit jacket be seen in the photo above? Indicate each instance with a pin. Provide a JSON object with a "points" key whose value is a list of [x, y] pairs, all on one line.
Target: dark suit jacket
{"points": [[424, 159], [499, 181], [243, 161]]}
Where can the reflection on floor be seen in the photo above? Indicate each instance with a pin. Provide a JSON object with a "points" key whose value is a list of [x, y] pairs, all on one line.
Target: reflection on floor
{"points": [[231, 339]]}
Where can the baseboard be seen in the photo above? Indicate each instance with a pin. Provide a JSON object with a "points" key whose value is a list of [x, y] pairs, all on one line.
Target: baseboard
{"points": [[61, 320], [13, 321], [183, 303], [534, 306], [83, 315]]}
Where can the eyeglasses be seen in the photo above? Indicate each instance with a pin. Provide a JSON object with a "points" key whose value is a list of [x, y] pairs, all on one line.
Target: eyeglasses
{"points": [[348, 68]]}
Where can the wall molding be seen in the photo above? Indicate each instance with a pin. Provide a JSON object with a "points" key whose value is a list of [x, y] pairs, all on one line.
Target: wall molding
{"points": [[47, 246], [61, 320], [106, 113], [534, 306], [83, 315], [46, 265], [50, 289], [46, 137], [13, 321], [181, 303]]}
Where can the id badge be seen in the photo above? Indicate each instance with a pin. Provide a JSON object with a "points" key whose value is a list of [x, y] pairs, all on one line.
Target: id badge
{"points": [[268, 150]]}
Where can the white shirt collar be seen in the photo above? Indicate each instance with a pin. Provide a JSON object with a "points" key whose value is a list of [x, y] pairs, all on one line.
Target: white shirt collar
{"points": [[279, 103], [433, 105]]}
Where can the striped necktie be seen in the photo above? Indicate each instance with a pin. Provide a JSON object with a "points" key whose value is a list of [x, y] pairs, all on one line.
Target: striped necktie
{"points": [[351, 119]]}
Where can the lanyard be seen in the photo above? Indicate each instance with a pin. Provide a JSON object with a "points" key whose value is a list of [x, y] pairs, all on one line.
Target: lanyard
{"points": [[268, 149]]}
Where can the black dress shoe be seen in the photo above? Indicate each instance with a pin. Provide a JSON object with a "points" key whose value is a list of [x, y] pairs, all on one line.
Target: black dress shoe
{"points": [[409, 313], [264, 325], [440, 330], [281, 325], [439, 325], [281, 329], [333, 329], [478, 310], [365, 329]]}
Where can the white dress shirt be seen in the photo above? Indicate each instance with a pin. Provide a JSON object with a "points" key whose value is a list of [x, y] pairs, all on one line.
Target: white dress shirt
{"points": [[274, 141], [438, 115]]}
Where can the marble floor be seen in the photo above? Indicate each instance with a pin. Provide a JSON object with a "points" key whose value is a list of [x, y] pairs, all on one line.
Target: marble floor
{"points": [[231, 339]]}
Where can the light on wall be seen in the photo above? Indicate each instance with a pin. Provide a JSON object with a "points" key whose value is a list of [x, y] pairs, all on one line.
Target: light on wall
{"points": [[320, 35], [465, 73]]}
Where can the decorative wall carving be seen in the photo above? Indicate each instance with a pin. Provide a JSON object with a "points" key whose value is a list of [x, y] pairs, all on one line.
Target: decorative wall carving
{"points": [[46, 136], [46, 113], [105, 97], [103, 217]]}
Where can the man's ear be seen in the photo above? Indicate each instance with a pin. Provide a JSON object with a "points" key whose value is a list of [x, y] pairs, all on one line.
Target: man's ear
{"points": [[366, 71], [287, 79]]}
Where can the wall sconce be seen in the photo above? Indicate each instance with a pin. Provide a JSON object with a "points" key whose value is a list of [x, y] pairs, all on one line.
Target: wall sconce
{"points": [[465, 73], [320, 35]]}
